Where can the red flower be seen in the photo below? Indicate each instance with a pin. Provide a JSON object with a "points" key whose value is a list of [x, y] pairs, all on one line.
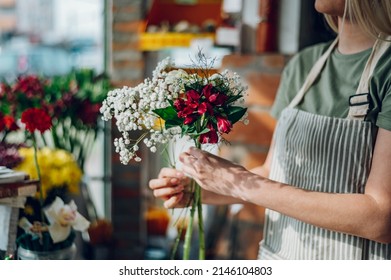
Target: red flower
{"points": [[196, 104], [89, 112], [58, 107], [215, 98], [31, 86], [187, 108], [189, 119], [192, 95], [179, 104], [10, 123], [35, 118], [4, 89], [210, 137], [205, 107], [223, 124], [191, 106]]}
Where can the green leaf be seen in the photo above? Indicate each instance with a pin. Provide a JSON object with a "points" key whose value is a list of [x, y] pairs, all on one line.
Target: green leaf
{"points": [[205, 130], [167, 113], [233, 98], [236, 113], [185, 129], [173, 123], [187, 88]]}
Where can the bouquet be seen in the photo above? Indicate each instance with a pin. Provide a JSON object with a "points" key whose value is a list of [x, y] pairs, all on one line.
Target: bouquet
{"points": [[200, 105]]}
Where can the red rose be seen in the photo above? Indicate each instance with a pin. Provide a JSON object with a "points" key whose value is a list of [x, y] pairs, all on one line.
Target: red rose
{"points": [[35, 118], [223, 124]]}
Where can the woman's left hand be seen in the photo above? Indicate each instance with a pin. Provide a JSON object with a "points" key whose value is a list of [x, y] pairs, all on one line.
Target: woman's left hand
{"points": [[211, 172]]}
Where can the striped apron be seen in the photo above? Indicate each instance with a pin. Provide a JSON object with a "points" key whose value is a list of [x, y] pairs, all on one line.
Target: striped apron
{"points": [[323, 154]]}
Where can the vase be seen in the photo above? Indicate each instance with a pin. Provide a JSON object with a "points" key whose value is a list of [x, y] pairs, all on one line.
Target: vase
{"points": [[68, 253]]}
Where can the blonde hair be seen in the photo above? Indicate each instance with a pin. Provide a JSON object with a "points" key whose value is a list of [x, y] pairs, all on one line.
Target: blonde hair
{"points": [[373, 16]]}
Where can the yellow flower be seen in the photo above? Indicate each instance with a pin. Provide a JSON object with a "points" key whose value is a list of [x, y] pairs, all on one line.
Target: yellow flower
{"points": [[58, 169], [159, 124]]}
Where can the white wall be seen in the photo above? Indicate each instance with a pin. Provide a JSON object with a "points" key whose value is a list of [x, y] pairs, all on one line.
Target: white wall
{"points": [[289, 26]]}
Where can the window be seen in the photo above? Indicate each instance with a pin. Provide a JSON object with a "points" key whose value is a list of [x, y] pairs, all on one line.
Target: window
{"points": [[51, 38]]}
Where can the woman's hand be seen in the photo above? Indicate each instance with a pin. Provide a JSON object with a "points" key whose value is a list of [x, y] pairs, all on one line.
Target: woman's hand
{"points": [[213, 173], [170, 186]]}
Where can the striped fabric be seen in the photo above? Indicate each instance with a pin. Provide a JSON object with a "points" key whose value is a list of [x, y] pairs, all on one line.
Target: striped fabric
{"points": [[305, 162], [323, 154]]}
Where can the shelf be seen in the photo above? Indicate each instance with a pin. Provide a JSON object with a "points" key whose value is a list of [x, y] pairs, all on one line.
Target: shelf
{"points": [[157, 41], [196, 13]]}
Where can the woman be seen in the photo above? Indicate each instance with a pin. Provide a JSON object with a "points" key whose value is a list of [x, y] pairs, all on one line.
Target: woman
{"points": [[326, 181]]}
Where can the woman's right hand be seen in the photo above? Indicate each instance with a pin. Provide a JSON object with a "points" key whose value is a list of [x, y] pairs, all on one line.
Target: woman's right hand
{"points": [[170, 187]]}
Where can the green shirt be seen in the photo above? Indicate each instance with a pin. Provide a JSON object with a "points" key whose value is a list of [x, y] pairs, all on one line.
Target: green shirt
{"points": [[339, 79]]}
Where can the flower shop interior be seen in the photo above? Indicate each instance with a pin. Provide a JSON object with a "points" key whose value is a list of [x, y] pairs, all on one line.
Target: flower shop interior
{"points": [[57, 157]]}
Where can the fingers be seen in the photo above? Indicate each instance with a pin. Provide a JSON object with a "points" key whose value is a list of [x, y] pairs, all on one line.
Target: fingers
{"points": [[170, 172], [173, 201], [169, 186], [168, 192], [163, 181], [168, 177]]}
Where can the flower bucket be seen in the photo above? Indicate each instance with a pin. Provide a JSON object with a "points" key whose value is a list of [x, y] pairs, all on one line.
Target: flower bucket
{"points": [[68, 253]]}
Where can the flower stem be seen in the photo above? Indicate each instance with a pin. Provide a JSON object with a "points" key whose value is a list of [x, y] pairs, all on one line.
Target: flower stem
{"points": [[201, 235], [39, 175], [189, 229], [196, 205], [4, 136]]}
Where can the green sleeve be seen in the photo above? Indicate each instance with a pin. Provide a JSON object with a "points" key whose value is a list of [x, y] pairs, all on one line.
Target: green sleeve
{"points": [[284, 92], [294, 75], [384, 117], [381, 89]]}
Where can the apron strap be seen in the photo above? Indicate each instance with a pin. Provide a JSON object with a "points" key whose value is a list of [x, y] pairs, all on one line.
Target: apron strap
{"points": [[359, 103], [312, 75]]}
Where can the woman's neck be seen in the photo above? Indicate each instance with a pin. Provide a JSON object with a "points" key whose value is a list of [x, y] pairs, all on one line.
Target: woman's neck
{"points": [[352, 39]]}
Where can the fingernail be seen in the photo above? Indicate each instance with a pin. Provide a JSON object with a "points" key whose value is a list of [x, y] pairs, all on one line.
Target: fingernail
{"points": [[174, 181]]}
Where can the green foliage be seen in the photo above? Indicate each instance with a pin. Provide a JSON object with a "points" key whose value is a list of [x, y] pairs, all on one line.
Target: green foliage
{"points": [[72, 101]]}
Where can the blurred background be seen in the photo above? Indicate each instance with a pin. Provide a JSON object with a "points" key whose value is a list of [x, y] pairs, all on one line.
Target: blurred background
{"points": [[122, 40], [34, 33]]}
